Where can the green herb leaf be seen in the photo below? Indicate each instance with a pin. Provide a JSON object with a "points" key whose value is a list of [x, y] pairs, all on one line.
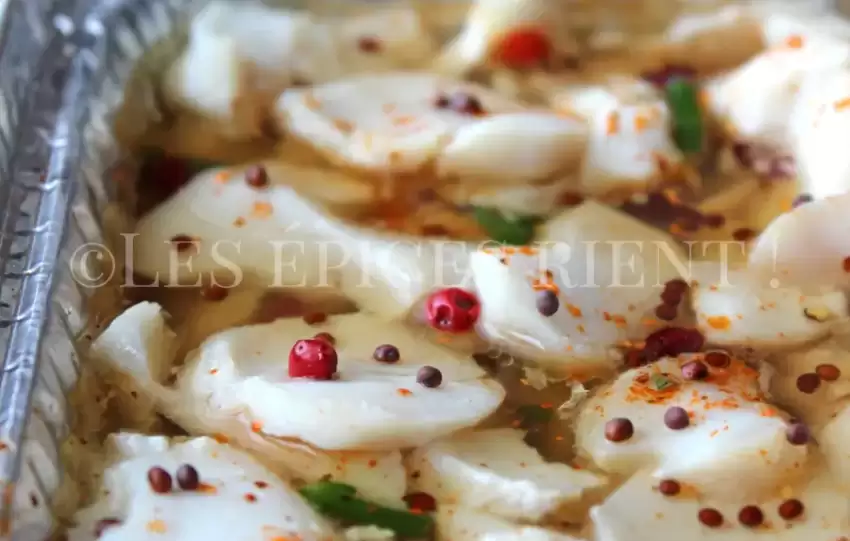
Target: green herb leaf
{"points": [[659, 382], [532, 414], [340, 502], [516, 231], [687, 118]]}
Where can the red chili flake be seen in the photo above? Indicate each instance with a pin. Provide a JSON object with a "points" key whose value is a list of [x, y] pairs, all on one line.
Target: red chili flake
{"points": [[183, 243], [261, 484], [314, 318], [523, 48], [452, 310], [710, 517], [313, 359], [369, 44], [743, 234], [846, 264], [250, 498], [421, 501]]}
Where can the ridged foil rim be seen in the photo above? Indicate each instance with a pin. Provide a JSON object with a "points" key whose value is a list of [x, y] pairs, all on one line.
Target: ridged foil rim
{"points": [[57, 113], [34, 196]]}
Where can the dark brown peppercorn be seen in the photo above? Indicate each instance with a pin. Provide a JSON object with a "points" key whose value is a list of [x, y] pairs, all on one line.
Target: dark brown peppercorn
{"points": [[808, 383], [314, 318], [801, 199], [797, 434], [790, 509], [750, 516], [743, 234], [717, 359], [666, 312], [672, 297], [688, 223], [326, 336], [257, 177], [214, 293], [570, 199], [184, 243], [676, 418], [619, 429], [387, 353], [421, 501], [160, 480], [694, 370], [547, 303], [828, 372], [104, 524], [442, 101], [669, 487], [466, 104], [430, 377], [369, 44], [187, 477], [714, 221], [710, 517]]}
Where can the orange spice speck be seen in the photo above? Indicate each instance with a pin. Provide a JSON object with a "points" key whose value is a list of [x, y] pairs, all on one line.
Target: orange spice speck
{"points": [[794, 42], [239, 222], [156, 526], [404, 392], [721, 323], [842, 104], [223, 176], [250, 498], [343, 125], [256, 427], [213, 371], [372, 463], [221, 438], [612, 123], [262, 209], [574, 310], [207, 488]]}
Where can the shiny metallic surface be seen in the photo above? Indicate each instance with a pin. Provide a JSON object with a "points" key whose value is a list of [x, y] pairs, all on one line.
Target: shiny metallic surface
{"points": [[35, 192], [64, 70]]}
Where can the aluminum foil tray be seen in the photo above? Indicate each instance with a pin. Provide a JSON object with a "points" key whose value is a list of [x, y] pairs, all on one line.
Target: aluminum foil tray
{"points": [[62, 77], [66, 70]]}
